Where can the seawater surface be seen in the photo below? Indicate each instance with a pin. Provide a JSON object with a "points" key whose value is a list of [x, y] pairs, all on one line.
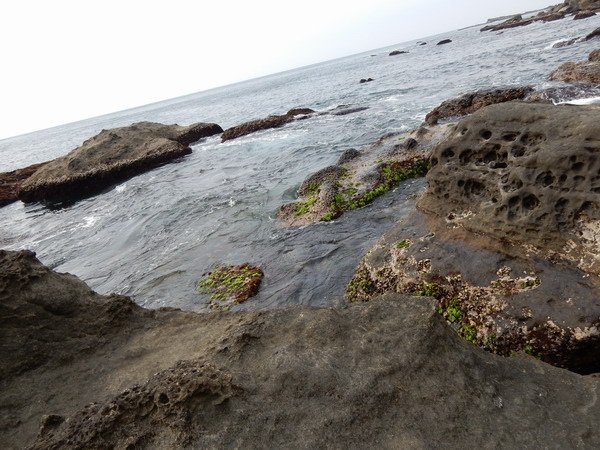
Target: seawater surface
{"points": [[154, 235]]}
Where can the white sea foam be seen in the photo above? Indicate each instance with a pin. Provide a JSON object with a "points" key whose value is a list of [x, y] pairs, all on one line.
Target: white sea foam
{"points": [[581, 101]]}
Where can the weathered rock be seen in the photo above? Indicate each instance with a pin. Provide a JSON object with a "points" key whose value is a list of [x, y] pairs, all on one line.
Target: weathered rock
{"points": [[398, 52], [365, 80], [228, 285], [567, 42], [551, 17], [444, 41], [313, 376], [264, 124], [111, 157], [513, 22], [582, 5], [572, 72], [594, 56], [344, 110], [593, 35], [583, 15], [311, 184], [48, 318], [471, 102], [348, 156], [10, 182], [524, 172]]}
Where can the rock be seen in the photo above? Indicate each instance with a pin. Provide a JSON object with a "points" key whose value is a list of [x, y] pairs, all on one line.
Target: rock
{"points": [[582, 5], [49, 318], [110, 157], [471, 102], [566, 43], [594, 34], [171, 379], [10, 182], [525, 173], [263, 124], [365, 80], [444, 41], [594, 56], [572, 72], [584, 15], [348, 156], [311, 183], [551, 17], [398, 52], [515, 21], [228, 285], [343, 110]]}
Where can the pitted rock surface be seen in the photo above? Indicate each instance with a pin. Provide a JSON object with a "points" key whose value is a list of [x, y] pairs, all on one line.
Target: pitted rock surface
{"points": [[110, 157], [523, 172]]}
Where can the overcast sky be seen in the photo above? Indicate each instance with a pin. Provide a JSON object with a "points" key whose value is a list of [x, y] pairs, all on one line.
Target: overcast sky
{"points": [[64, 61]]}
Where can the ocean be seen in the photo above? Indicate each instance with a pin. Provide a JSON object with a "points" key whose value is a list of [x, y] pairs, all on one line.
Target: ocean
{"points": [[154, 235]]}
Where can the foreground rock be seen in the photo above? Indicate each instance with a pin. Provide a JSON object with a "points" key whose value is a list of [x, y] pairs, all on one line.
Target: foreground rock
{"points": [[111, 157], [573, 72], [390, 373], [473, 101], [510, 246], [10, 182], [583, 15], [264, 124]]}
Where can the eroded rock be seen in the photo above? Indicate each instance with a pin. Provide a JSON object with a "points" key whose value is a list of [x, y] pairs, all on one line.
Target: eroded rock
{"points": [[573, 72], [471, 102], [584, 15], [253, 126], [110, 157]]}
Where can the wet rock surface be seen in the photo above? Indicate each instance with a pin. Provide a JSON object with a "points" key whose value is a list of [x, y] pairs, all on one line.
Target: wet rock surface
{"points": [[583, 15], [398, 52], [110, 157], [472, 101], [444, 42], [253, 126], [390, 371], [361, 176]]}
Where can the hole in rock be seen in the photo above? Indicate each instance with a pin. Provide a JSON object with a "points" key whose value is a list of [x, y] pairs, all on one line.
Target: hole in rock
{"points": [[485, 134], [530, 202], [448, 153]]}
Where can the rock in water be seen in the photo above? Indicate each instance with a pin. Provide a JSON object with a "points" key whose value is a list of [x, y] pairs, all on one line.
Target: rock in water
{"points": [[10, 182], [444, 41], [594, 56], [264, 124], [111, 157], [471, 102], [584, 15], [398, 52]]}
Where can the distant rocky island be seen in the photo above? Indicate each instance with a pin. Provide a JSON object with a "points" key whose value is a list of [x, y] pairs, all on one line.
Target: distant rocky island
{"points": [[474, 322]]}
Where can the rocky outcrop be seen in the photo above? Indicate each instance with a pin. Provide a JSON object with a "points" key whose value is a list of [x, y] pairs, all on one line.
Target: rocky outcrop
{"points": [[359, 177], [584, 15], [594, 56], [264, 124], [111, 157], [581, 5], [509, 246], [10, 182], [593, 35], [389, 372], [473, 101], [444, 41], [574, 72], [398, 52], [365, 80], [513, 22]]}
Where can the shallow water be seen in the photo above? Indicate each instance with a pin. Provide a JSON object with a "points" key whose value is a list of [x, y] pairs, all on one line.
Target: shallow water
{"points": [[154, 235]]}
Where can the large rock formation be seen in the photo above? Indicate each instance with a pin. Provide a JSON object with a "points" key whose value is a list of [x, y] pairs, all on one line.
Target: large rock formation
{"points": [[582, 5], [110, 157], [390, 373], [253, 126], [472, 101], [510, 247], [10, 182]]}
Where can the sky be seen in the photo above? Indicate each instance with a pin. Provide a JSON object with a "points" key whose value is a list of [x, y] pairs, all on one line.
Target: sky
{"points": [[66, 60]]}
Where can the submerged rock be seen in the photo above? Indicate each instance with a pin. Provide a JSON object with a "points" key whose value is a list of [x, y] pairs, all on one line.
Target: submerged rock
{"points": [[513, 22], [473, 101], [390, 372], [365, 80], [398, 52], [110, 157], [264, 124], [444, 41], [228, 285], [10, 182]]}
